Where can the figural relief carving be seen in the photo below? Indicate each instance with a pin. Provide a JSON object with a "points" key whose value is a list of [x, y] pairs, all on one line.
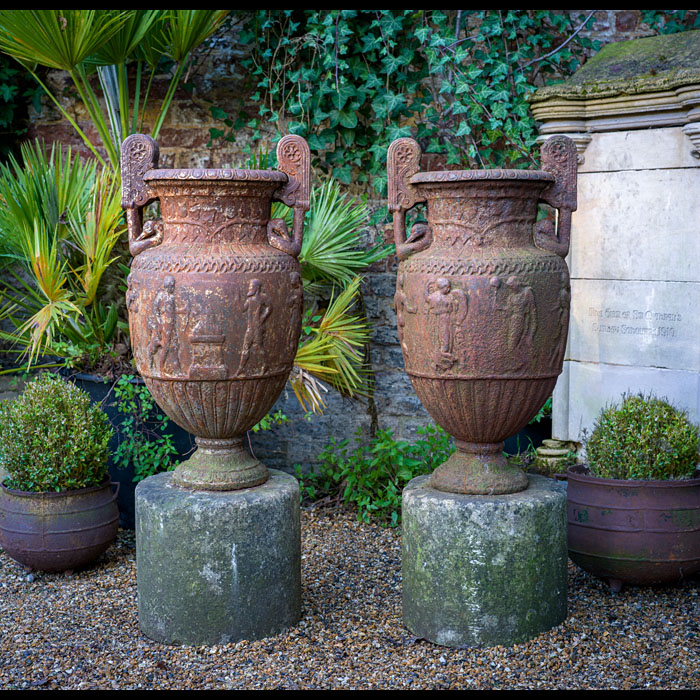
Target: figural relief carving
{"points": [[256, 308], [163, 348], [448, 308]]}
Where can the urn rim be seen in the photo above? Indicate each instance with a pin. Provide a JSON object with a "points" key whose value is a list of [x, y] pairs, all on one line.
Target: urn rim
{"points": [[451, 176], [216, 174]]}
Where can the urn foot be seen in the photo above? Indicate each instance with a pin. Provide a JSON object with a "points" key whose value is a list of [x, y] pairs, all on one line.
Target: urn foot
{"points": [[478, 469], [220, 465]]}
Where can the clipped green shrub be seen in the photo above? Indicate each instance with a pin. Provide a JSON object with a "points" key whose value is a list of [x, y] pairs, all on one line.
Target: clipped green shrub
{"points": [[52, 438], [643, 438], [371, 477]]}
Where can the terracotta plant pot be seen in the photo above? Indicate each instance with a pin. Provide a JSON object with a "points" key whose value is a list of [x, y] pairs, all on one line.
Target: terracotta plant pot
{"points": [[56, 531], [482, 302], [636, 532], [215, 299]]}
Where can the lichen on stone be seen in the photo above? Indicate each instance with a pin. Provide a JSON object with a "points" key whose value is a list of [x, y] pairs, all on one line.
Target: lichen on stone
{"points": [[633, 67]]}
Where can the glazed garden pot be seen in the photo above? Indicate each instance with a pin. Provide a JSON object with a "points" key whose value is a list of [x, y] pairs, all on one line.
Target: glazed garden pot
{"points": [[482, 302], [57, 531], [215, 299], [637, 532]]}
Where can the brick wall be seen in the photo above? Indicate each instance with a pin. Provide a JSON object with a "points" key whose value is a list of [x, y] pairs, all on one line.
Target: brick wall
{"points": [[183, 142]]}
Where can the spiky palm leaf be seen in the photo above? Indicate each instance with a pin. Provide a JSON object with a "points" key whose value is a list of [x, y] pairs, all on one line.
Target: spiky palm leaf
{"points": [[331, 251], [187, 29], [332, 352], [41, 190], [61, 222], [59, 39]]}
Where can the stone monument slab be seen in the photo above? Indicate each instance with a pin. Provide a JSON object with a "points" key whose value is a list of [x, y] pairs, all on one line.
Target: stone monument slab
{"points": [[634, 113]]}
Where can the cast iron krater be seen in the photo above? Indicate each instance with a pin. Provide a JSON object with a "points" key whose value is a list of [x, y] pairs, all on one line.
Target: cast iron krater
{"points": [[215, 299], [482, 302]]}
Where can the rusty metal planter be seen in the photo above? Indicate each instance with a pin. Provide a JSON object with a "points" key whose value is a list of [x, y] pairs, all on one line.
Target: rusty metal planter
{"points": [[215, 299], [56, 531], [482, 302], [636, 532]]}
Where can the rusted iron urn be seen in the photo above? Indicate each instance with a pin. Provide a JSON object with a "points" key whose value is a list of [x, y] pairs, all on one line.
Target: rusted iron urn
{"points": [[57, 531], [637, 532], [215, 299], [482, 302]]}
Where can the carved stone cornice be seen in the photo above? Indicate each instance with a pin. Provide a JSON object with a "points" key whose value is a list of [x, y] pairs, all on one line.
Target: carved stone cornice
{"points": [[640, 84]]}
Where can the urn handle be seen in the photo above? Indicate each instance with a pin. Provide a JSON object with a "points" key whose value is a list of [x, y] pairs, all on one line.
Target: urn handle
{"points": [[560, 158], [402, 163], [294, 159], [139, 155]]}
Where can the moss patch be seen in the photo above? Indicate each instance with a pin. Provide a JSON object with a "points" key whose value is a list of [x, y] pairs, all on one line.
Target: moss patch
{"points": [[633, 67]]}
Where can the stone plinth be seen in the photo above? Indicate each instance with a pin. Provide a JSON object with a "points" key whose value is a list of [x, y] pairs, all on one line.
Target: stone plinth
{"points": [[484, 570], [217, 567], [635, 243]]}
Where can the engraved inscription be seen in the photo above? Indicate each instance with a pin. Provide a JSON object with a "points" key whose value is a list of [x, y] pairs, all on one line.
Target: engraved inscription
{"points": [[635, 322]]}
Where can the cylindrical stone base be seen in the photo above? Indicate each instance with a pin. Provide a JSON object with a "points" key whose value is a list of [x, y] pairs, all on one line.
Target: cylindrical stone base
{"points": [[217, 566], [484, 570]]}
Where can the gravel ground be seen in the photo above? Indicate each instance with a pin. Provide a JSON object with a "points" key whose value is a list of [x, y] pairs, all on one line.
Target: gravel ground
{"points": [[81, 631]]}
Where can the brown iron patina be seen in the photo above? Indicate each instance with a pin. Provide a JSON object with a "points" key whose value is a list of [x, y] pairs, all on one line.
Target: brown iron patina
{"points": [[58, 530], [215, 299], [482, 302], [639, 532]]}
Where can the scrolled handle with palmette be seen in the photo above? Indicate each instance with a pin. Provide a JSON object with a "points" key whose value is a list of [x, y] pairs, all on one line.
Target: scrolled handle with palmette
{"points": [[560, 158], [139, 155], [402, 163], [294, 159]]}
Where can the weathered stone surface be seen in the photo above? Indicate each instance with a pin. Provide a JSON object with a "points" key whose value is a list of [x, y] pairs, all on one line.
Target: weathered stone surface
{"points": [[217, 567], [484, 570], [629, 67], [636, 323], [635, 282], [637, 225], [592, 385], [645, 149]]}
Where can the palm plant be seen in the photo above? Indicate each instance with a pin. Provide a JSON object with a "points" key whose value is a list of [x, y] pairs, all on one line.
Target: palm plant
{"points": [[60, 221], [81, 42], [332, 346]]}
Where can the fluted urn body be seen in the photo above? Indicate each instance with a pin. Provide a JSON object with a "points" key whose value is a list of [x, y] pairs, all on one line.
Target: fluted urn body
{"points": [[215, 300], [482, 303]]}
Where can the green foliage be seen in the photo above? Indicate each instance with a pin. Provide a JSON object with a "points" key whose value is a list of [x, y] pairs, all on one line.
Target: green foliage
{"points": [[351, 81], [52, 438], [60, 221], [643, 438], [80, 41], [331, 250], [270, 421], [145, 442], [331, 349], [15, 95], [372, 476], [544, 412], [671, 21]]}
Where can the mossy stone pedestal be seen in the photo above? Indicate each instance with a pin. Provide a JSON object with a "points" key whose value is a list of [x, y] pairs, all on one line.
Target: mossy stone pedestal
{"points": [[215, 567], [484, 570]]}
